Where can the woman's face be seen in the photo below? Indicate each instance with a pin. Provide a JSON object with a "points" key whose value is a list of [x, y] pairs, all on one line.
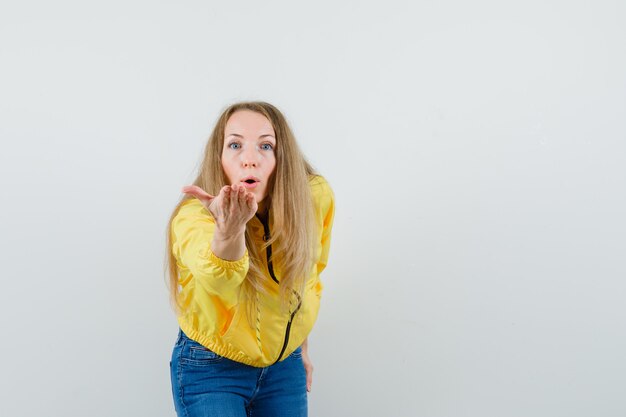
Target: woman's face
{"points": [[248, 156]]}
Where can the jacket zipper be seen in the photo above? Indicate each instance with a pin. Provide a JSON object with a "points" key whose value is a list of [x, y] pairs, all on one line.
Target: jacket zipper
{"points": [[268, 250], [282, 351], [270, 267]]}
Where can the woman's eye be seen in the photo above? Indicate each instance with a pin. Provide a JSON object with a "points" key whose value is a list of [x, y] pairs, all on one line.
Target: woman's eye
{"points": [[234, 145], [267, 147]]}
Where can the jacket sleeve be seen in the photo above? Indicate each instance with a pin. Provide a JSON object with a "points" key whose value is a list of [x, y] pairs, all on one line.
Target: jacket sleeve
{"points": [[192, 232], [326, 214]]}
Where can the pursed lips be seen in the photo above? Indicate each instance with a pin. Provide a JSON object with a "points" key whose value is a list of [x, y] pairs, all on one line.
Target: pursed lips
{"points": [[250, 182]]}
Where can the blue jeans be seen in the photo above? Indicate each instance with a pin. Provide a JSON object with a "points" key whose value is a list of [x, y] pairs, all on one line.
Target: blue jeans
{"points": [[207, 384]]}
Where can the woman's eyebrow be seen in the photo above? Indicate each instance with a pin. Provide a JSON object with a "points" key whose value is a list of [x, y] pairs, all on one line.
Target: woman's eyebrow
{"points": [[240, 136]]}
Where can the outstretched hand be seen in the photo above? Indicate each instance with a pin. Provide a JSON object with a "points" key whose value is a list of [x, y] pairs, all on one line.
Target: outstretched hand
{"points": [[232, 208]]}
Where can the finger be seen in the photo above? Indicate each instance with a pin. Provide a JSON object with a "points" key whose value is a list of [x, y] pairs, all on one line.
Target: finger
{"points": [[250, 201], [242, 198], [254, 206], [234, 196], [309, 379], [226, 192]]}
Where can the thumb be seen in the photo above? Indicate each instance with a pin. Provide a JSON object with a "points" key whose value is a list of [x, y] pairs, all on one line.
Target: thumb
{"points": [[309, 379], [197, 192]]}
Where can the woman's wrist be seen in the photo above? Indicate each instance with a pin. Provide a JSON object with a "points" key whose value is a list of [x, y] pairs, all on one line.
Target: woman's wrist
{"points": [[229, 236], [230, 248]]}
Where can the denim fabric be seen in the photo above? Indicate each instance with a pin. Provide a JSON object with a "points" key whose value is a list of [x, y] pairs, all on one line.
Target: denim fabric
{"points": [[207, 384]]}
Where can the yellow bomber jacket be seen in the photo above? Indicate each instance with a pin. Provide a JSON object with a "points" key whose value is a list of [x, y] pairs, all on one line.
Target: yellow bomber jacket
{"points": [[211, 313]]}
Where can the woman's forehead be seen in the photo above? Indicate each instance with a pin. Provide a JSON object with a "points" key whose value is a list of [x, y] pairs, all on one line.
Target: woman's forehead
{"points": [[248, 123]]}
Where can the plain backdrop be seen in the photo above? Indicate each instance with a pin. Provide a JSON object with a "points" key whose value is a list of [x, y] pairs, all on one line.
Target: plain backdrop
{"points": [[478, 157]]}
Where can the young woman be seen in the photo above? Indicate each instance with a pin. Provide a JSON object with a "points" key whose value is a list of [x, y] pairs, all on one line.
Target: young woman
{"points": [[246, 246]]}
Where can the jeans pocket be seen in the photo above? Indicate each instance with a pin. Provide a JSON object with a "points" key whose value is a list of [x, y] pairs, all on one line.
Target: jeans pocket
{"points": [[200, 353], [194, 353], [297, 353]]}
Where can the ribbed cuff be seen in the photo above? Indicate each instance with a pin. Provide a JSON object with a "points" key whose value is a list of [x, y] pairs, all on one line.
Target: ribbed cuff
{"points": [[237, 265]]}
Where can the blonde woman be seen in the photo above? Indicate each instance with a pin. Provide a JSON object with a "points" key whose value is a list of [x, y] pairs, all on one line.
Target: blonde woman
{"points": [[246, 246]]}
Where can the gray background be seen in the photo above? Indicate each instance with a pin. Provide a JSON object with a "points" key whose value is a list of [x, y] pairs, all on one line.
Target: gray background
{"points": [[476, 149]]}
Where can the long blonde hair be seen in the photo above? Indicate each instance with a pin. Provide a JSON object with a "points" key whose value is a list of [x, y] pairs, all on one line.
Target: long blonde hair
{"points": [[290, 208]]}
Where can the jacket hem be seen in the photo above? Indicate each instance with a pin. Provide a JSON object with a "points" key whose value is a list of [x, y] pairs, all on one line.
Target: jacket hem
{"points": [[217, 347]]}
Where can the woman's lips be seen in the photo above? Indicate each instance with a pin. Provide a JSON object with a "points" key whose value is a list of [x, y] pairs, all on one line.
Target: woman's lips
{"points": [[249, 186]]}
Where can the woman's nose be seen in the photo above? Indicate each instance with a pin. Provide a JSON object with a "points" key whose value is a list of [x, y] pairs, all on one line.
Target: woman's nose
{"points": [[250, 159]]}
